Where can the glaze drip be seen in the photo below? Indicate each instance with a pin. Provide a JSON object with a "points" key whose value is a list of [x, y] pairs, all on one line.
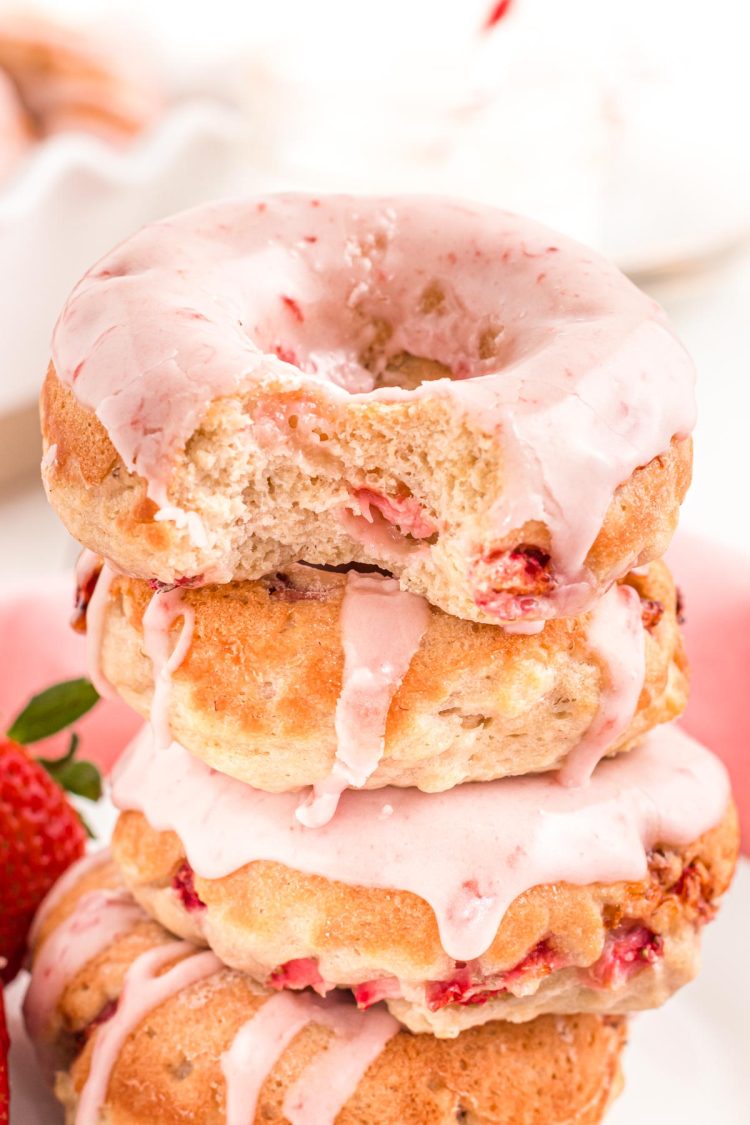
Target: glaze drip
{"points": [[327, 1083], [87, 564], [145, 988], [497, 839], [98, 919], [617, 636], [63, 885], [381, 629], [165, 607]]}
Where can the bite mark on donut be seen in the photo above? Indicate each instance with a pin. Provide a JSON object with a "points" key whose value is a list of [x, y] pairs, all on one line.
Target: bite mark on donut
{"points": [[509, 581], [183, 884], [403, 512]]}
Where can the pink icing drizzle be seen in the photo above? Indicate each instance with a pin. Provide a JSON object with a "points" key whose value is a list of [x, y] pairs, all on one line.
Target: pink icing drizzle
{"points": [[586, 383], [142, 991], [165, 607], [69, 878], [381, 629], [98, 918], [328, 1082], [497, 839], [86, 565], [616, 633]]}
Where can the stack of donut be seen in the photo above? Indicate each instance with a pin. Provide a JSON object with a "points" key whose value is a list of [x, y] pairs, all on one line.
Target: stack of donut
{"points": [[372, 494]]}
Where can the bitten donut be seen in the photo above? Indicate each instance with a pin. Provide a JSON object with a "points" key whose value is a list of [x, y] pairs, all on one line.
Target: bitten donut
{"points": [[449, 392], [281, 681], [545, 899], [146, 1030], [68, 79]]}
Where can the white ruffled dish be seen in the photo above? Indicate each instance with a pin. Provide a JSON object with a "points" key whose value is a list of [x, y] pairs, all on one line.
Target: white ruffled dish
{"points": [[74, 197]]}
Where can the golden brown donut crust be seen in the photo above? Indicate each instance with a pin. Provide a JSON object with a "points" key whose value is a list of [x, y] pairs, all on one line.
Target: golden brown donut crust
{"points": [[256, 695], [105, 507], [550, 1071], [265, 915]]}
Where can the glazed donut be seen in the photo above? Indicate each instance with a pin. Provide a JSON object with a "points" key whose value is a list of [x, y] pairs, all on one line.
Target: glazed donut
{"points": [[143, 1029], [15, 138], [449, 392], [545, 899], [265, 694], [70, 80]]}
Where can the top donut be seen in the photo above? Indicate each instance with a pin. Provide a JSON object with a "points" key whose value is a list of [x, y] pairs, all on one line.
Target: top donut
{"points": [[452, 393]]}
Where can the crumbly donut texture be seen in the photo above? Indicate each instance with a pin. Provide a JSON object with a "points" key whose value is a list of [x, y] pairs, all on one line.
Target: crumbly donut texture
{"points": [[292, 514], [545, 1072], [446, 391], [256, 695], [614, 947]]}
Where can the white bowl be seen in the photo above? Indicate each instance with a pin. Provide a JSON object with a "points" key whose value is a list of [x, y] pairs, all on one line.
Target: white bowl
{"points": [[75, 197]]}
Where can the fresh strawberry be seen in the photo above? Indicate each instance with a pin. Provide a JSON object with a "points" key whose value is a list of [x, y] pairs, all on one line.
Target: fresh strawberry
{"points": [[40, 832], [4, 1045]]}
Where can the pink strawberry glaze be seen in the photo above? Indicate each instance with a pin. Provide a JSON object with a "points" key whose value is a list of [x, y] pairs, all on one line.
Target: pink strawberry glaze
{"points": [[585, 381], [327, 1083], [99, 917], [64, 884], [497, 839], [165, 607], [381, 629], [616, 635], [143, 990], [87, 563]]}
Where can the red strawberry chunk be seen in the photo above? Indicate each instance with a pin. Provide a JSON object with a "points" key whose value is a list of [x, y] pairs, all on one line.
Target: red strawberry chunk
{"points": [[183, 884]]}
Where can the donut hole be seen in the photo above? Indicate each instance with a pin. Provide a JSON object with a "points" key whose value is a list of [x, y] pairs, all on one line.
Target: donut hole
{"points": [[369, 306]]}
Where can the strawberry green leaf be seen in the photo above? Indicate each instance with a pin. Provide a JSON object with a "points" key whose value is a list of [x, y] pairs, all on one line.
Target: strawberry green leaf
{"points": [[52, 710], [81, 778]]}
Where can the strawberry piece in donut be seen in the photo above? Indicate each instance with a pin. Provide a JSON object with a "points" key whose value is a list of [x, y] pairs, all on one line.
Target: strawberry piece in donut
{"points": [[454, 394]]}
